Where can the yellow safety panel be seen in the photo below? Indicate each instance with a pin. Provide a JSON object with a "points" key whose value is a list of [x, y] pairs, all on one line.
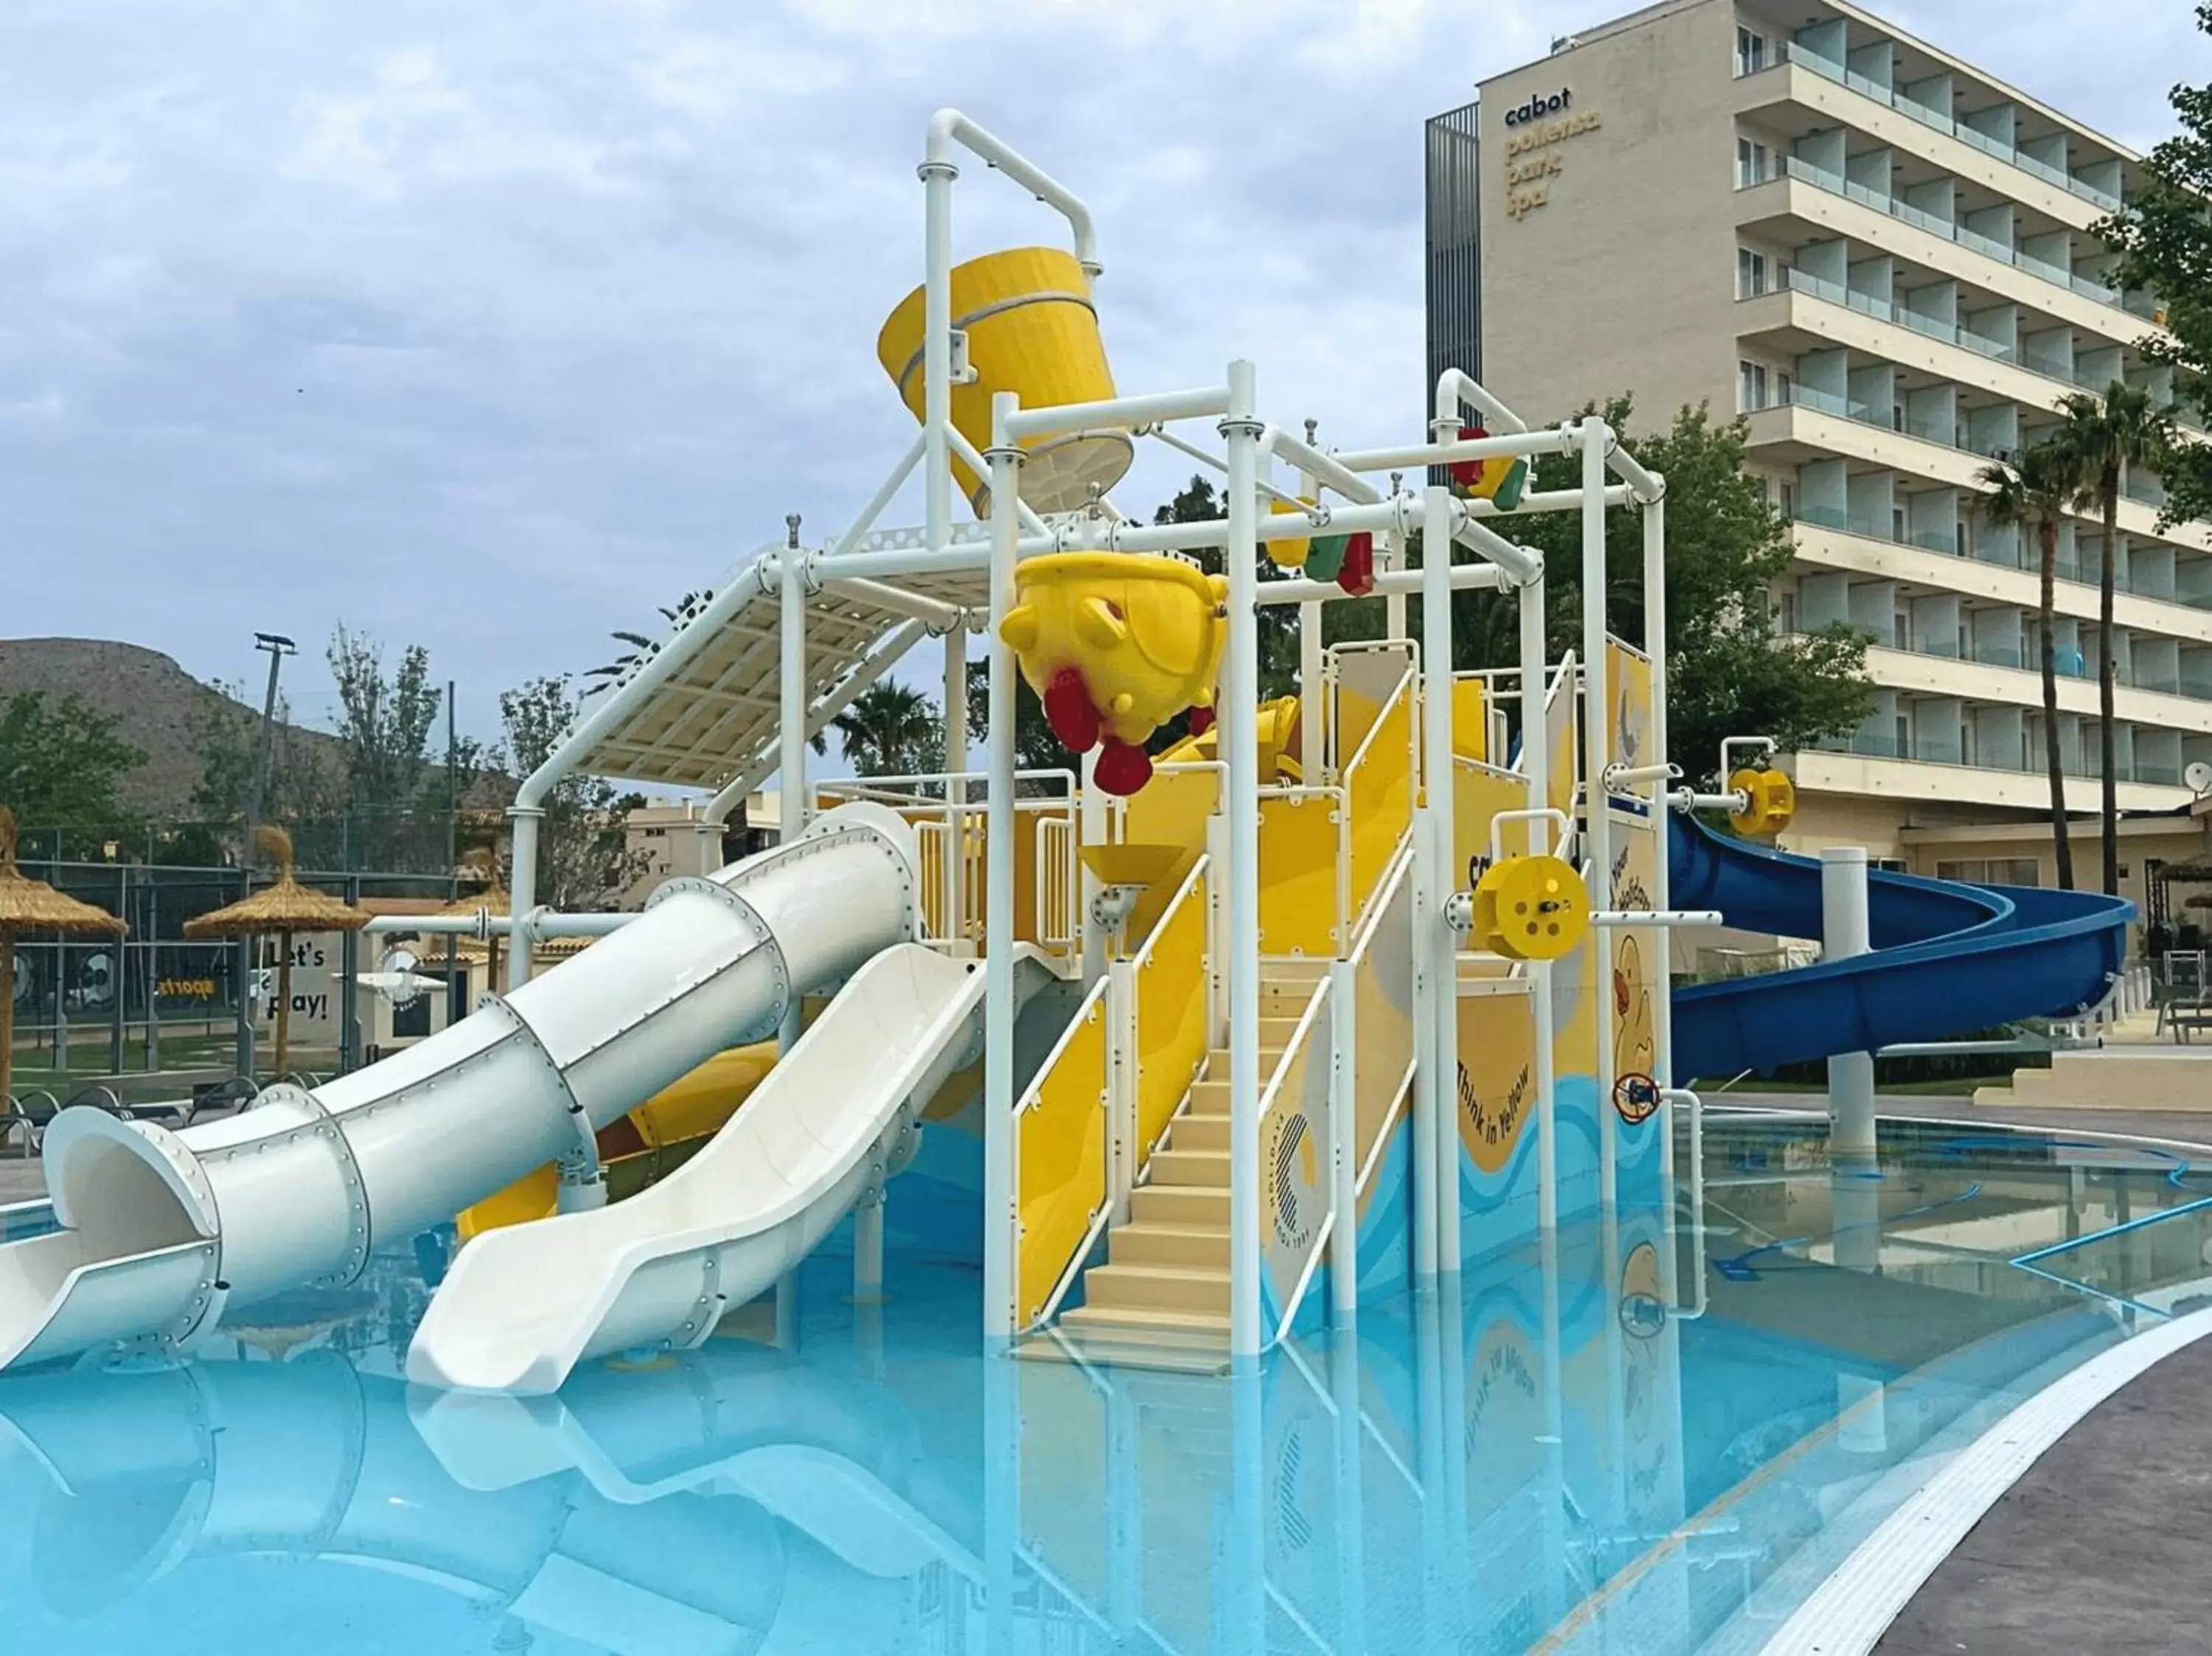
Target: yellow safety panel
{"points": [[1478, 794], [1031, 330], [1060, 1159], [1380, 786], [1298, 837], [1470, 719], [1382, 996], [1173, 1018], [1498, 1071]]}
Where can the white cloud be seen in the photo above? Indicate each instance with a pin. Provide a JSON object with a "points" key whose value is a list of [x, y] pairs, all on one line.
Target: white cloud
{"points": [[493, 326]]}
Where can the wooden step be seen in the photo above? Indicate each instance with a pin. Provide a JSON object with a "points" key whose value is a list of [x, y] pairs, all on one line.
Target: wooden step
{"points": [[1157, 1288], [1217, 1062], [1180, 1206], [1189, 1343], [1207, 1169], [1199, 1132], [1207, 1098], [1140, 1243]]}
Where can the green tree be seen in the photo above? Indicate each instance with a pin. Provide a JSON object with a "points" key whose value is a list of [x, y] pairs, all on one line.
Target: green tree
{"points": [[584, 859], [61, 764], [2032, 497], [2105, 439], [383, 719], [1729, 671], [225, 733], [2162, 240], [638, 647], [891, 729]]}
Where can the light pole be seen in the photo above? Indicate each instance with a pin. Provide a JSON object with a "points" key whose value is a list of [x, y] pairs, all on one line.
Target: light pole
{"points": [[278, 646]]}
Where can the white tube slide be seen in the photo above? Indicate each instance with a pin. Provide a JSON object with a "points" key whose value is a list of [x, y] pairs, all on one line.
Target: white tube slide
{"points": [[162, 1229], [522, 1307]]}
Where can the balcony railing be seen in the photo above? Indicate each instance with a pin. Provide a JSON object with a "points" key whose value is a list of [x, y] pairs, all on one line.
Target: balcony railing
{"points": [[1935, 750], [1790, 51], [1795, 166]]}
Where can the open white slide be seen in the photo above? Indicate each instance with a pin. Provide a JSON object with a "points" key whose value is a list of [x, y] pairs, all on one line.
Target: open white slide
{"points": [[161, 1230], [522, 1307]]}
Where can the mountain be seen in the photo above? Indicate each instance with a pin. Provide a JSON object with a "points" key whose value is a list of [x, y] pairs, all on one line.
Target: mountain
{"points": [[156, 702]]}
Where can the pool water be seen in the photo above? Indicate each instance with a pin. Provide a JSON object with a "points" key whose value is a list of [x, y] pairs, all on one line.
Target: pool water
{"points": [[1657, 1435]]}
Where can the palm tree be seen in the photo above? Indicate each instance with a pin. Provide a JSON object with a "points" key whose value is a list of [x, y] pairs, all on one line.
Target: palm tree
{"points": [[2032, 495], [887, 730], [2104, 438], [641, 647]]}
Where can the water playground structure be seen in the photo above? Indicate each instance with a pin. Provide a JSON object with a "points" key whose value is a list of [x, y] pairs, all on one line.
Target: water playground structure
{"points": [[1332, 997]]}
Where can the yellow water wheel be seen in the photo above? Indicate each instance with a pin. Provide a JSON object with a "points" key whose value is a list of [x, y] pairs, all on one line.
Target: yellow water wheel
{"points": [[1770, 801], [1531, 908]]}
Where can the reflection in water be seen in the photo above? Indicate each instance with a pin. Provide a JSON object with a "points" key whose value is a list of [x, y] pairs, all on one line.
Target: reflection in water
{"points": [[1554, 1456]]}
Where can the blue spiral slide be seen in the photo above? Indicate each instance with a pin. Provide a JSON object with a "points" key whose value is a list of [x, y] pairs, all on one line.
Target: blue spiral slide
{"points": [[1948, 959]]}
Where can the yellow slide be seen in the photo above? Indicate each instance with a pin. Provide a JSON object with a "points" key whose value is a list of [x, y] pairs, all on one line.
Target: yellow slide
{"points": [[648, 1144]]}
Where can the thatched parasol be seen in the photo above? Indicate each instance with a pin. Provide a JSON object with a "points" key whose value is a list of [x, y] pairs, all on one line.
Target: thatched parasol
{"points": [[2202, 900], [29, 905], [481, 864], [283, 908], [2197, 871]]}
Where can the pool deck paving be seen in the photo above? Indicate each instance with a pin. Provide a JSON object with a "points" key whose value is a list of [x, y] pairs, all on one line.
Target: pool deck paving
{"points": [[2100, 1547]]}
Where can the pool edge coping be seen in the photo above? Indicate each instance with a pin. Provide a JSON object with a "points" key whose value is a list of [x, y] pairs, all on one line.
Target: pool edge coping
{"points": [[1848, 1613]]}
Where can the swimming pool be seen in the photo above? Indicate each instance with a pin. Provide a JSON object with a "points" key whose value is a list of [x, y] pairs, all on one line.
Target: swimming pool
{"points": [[1657, 1435]]}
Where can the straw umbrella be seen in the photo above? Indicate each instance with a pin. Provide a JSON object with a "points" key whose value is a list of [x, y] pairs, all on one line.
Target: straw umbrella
{"points": [[28, 905], [285, 908]]}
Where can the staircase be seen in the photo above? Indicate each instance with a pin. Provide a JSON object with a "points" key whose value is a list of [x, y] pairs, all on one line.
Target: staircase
{"points": [[1161, 1301]]}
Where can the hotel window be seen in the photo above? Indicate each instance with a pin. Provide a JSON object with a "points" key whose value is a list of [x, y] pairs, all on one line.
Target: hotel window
{"points": [[1752, 163], [1750, 273], [1750, 391], [1750, 52]]}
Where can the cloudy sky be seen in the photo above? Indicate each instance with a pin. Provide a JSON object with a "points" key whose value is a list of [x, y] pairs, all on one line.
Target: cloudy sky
{"points": [[489, 327]]}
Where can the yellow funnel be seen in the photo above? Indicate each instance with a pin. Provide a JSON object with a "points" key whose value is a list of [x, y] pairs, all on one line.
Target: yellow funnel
{"points": [[1031, 330]]}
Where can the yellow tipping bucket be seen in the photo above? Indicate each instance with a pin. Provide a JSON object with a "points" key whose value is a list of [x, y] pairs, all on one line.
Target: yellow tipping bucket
{"points": [[1031, 330]]}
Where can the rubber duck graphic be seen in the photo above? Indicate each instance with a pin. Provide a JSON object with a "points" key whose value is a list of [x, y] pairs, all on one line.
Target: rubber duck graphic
{"points": [[1115, 645]]}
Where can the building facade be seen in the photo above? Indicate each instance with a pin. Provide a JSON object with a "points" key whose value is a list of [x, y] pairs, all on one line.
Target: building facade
{"points": [[1886, 260]]}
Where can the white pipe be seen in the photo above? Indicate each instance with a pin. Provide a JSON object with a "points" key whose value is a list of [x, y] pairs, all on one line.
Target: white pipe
{"points": [[522, 878], [955, 786], [1240, 750], [1344, 1145], [999, 1183], [938, 174], [1537, 763], [1648, 485], [1433, 936], [1456, 386], [485, 923], [1119, 413], [1322, 468], [941, 615], [963, 558], [1313, 729], [1683, 1095], [878, 662], [1663, 823], [852, 537], [1464, 578], [1520, 563], [1597, 739], [1844, 933], [949, 127], [1628, 919], [1450, 450], [790, 759], [1550, 500]]}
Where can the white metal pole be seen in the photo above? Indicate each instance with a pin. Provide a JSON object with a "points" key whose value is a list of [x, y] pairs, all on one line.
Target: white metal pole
{"points": [[522, 888], [1240, 751], [868, 1249], [1537, 763], [937, 177], [1663, 831], [1312, 714], [1436, 939], [791, 733], [955, 790], [1844, 932], [1597, 742], [1344, 1146], [999, 897]]}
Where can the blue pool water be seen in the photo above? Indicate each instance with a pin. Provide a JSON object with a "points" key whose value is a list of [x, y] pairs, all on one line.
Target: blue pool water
{"points": [[1656, 1437]]}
